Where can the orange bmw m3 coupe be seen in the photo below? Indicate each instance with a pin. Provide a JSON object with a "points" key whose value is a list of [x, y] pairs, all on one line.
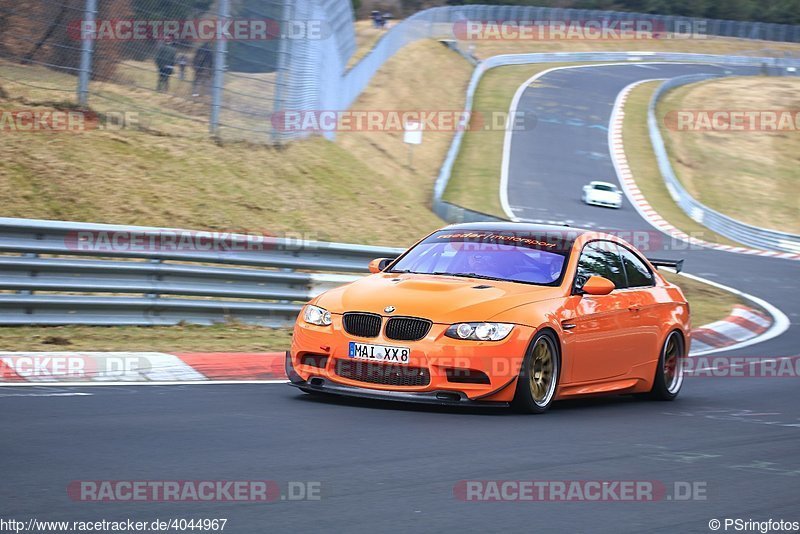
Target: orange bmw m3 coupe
{"points": [[503, 314]]}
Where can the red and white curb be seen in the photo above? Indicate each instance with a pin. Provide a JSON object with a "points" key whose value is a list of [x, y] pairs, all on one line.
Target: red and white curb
{"points": [[742, 324], [97, 368], [620, 160]]}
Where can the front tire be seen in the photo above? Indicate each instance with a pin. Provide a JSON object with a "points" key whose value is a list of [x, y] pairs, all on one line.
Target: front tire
{"points": [[538, 375], [669, 371]]}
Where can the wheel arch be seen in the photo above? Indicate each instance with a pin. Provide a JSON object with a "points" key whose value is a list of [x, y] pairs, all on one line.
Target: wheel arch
{"points": [[548, 328]]}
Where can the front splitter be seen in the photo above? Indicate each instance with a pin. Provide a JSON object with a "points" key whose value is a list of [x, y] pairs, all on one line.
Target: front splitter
{"points": [[437, 398]]}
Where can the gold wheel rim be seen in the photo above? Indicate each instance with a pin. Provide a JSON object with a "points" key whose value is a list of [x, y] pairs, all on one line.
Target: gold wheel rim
{"points": [[540, 372], [672, 368]]}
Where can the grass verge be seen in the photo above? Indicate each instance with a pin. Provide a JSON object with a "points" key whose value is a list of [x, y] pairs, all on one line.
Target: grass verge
{"points": [[751, 176], [643, 165], [184, 338], [359, 189]]}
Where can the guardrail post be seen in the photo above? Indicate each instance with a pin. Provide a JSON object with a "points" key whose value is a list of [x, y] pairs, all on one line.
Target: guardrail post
{"points": [[158, 278], [31, 273]]}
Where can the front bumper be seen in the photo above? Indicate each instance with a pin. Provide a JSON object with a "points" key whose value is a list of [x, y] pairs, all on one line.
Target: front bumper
{"points": [[604, 204], [439, 357]]}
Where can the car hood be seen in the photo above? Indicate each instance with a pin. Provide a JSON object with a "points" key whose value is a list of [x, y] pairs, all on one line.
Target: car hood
{"points": [[442, 299]]}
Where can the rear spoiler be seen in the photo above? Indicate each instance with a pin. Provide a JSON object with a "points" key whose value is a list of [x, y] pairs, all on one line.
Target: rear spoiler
{"points": [[672, 264]]}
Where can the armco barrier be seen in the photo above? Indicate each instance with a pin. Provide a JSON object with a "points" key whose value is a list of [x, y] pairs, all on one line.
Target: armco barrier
{"points": [[722, 224], [56, 272], [453, 213]]}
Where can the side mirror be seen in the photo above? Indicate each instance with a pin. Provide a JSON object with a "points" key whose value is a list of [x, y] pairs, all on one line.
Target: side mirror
{"points": [[379, 264], [597, 285]]}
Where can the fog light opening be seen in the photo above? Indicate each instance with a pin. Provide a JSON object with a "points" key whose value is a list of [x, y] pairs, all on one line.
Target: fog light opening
{"points": [[466, 376]]}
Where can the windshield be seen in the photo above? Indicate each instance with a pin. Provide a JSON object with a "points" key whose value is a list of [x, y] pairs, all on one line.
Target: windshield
{"points": [[512, 256], [603, 187]]}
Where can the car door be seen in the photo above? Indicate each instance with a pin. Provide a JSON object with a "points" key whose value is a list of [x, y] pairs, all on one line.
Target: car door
{"points": [[646, 318], [597, 334]]}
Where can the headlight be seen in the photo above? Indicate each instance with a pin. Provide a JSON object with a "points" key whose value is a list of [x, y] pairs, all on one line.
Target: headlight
{"points": [[479, 331], [316, 315]]}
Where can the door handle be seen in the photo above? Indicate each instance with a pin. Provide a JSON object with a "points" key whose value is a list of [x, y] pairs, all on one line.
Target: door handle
{"points": [[634, 307]]}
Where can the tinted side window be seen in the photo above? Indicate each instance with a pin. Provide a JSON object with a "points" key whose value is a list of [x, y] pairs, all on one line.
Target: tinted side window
{"points": [[638, 273], [600, 258]]}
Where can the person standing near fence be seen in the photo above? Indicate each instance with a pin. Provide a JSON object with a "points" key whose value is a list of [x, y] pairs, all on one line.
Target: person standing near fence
{"points": [[165, 62], [203, 66], [182, 62]]}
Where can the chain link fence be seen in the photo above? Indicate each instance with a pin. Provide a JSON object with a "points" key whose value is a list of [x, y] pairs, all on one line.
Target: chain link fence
{"points": [[180, 67], [187, 67]]}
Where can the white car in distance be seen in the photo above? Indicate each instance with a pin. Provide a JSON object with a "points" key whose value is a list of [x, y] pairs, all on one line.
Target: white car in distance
{"points": [[602, 194]]}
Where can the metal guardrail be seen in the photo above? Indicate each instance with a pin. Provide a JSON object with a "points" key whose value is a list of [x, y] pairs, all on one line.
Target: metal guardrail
{"points": [[729, 227], [55, 272], [453, 213]]}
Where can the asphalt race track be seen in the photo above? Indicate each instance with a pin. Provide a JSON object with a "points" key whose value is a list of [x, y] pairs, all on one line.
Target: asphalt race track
{"points": [[568, 148], [385, 467]]}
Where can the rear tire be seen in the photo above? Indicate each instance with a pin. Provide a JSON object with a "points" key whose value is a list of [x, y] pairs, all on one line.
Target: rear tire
{"points": [[538, 375], [669, 371]]}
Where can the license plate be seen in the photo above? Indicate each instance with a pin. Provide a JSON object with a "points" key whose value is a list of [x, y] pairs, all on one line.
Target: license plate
{"points": [[379, 353]]}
